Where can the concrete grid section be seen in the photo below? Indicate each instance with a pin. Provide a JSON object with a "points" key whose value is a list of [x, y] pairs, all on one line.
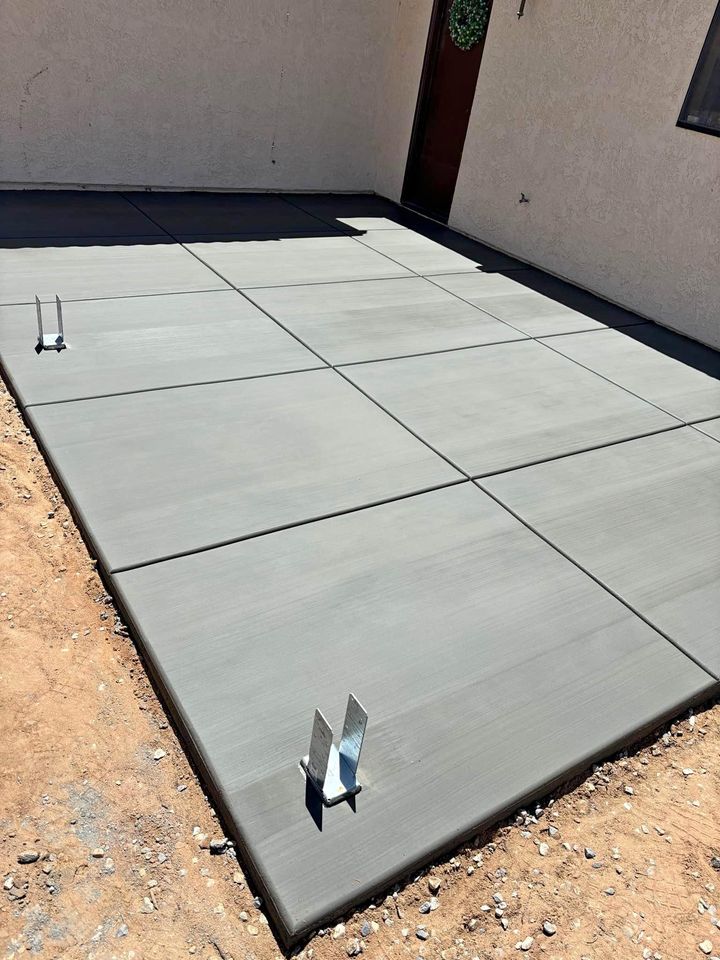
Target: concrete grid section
{"points": [[320, 444]]}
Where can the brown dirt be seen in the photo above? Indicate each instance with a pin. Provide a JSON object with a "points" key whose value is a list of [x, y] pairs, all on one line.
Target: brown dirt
{"points": [[79, 783]]}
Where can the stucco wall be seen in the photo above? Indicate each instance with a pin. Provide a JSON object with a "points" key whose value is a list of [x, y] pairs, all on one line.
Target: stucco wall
{"points": [[192, 93], [576, 106]]}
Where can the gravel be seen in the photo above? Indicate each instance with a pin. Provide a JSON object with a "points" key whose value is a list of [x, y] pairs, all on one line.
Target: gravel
{"points": [[549, 929], [590, 853]]}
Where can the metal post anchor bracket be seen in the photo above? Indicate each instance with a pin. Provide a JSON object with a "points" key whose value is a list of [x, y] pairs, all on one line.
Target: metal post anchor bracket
{"points": [[49, 341], [333, 771]]}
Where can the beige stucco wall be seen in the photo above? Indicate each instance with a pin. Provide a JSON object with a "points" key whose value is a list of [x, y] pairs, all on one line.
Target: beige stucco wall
{"points": [[576, 106], [193, 93]]}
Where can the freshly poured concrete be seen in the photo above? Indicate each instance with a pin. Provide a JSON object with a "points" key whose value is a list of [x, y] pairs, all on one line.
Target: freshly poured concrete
{"points": [[349, 322], [497, 407], [259, 262], [644, 518], [156, 474], [200, 213], [710, 427], [418, 253], [146, 343], [509, 299], [686, 393], [86, 269], [70, 213], [490, 667], [244, 525]]}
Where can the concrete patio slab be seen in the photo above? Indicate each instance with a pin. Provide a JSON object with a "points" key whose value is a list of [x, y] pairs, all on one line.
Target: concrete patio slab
{"points": [[87, 269], [502, 406], [70, 213], [710, 427], [228, 213], [634, 361], [355, 211], [373, 320], [156, 474], [509, 300], [417, 252], [490, 666], [258, 262], [644, 518], [145, 343]]}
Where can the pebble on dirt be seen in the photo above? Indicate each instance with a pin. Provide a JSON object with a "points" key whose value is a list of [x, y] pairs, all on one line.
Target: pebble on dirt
{"points": [[589, 853], [218, 846], [525, 944], [421, 933], [549, 929], [159, 754], [706, 947], [28, 856], [434, 884]]}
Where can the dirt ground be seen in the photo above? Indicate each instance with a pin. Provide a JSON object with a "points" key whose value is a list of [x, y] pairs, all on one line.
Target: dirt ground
{"points": [[94, 781]]}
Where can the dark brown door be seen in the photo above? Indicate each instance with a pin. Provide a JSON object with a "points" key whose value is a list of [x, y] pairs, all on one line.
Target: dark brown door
{"points": [[443, 109]]}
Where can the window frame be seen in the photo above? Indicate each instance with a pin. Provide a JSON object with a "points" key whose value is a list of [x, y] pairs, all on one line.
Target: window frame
{"points": [[709, 39]]}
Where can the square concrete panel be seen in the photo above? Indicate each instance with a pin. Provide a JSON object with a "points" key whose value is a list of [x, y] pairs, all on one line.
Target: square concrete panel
{"points": [[258, 262], [509, 300], [633, 361], [70, 213], [416, 252], [497, 407], [86, 269], [711, 428], [145, 343], [371, 320], [208, 213], [643, 517], [490, 666], [156, 474]]}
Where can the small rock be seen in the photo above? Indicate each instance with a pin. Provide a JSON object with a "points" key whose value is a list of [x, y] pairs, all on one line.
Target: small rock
{"points": [[354, 947], [525, 944], [705, 947], [252, 930], [98, 853], [544, 849], [243, 916], [549, 929], [434, 884], [28, 856], [122, 931], [688, 772], [610, 891], [238, 877], [366, 930], [715, 862], [472, 924], [629, 791], [432, 904], [159, 754], [218, 846], [339, 931], [421, 933], [590, 853]]}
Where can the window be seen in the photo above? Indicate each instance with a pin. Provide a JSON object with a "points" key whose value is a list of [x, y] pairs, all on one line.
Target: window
{"points": [[701, 110]]}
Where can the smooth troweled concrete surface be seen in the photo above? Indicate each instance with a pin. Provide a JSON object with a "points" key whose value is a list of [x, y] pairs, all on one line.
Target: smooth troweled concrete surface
{"points": [[514, 302], [489, 666], [258, 480], [161, 473], [644, 518], [502, 406], [351, 322], [145, 343], [85, 269]]}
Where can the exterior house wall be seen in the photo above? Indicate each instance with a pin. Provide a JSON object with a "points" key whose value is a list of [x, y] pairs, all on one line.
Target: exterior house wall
{"points": [[576, 106], [192, 93]]}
